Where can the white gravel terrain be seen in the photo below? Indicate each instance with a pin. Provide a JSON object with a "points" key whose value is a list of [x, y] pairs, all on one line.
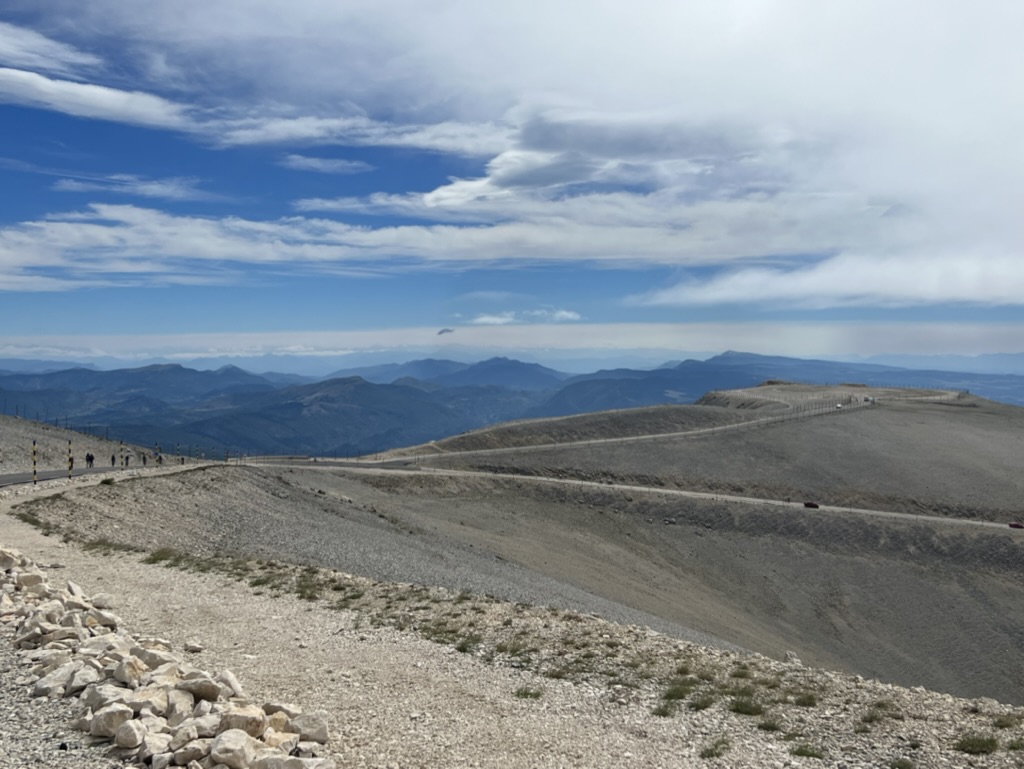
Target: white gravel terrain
{"points": [[452, 620]]}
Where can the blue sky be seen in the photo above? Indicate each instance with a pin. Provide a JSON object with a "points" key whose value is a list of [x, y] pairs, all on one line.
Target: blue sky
{"points": [[559, 180]]}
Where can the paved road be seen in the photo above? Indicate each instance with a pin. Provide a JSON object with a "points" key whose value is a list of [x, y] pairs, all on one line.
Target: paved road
{"points": [[48, 475], [795, 506], [13, 479]]}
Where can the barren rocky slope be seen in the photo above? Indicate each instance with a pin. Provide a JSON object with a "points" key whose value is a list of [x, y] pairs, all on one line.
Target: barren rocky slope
{"points": [[496, 684], [854, 594], [958, 458], [16, 436], [912, 602]]}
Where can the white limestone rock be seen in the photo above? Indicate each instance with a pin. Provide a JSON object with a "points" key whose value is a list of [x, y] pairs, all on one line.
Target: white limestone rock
{"points": [[269, 758], [234, 748], [103, 601], [249, 718], [129, 734], [193, 751], [82, 678], [311, 726], [179, 706], [183, 735], [107, 720], [201, 687], [98, 696], [286, 741], [270, 708], [227, 678], [154, 743], [55, 681], [131, 671]]}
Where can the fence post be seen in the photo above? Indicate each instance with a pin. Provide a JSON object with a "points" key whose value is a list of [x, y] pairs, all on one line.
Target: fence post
{"points": [[71, 461], [33, 463]]}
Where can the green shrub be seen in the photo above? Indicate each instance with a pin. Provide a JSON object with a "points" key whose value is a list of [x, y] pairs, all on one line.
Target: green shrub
{"points": [[468, 643], [746, 706], [716, 749], [901, 763], [665, 708], [769, 725], [679, 688], [806, 699], [977, 744], [701, 702], [528, 693], [807, 751]]}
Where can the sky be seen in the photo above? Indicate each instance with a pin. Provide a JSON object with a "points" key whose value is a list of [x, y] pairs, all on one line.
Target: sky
{"points": [[559, 180]]}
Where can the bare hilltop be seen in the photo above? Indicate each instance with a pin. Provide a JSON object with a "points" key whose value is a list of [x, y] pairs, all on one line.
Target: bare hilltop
{"points": [[639, 586]]}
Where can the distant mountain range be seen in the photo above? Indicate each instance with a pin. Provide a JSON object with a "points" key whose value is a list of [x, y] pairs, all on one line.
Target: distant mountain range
{"points": [[362, 410]]}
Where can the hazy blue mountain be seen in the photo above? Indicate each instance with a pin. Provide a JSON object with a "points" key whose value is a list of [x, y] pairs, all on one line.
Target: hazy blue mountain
{"points": [[386, 373], [340, 417], [626, 388], [170, 382], [232, 408], [23, 366], [505, 372], [988, 363]]}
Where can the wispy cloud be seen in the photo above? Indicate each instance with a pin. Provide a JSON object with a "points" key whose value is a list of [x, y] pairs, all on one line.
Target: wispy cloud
{"points": [[525, 316], [790, 176], [90, 101], [359, 131], [171, 188], [23, 48], [325, 165]]}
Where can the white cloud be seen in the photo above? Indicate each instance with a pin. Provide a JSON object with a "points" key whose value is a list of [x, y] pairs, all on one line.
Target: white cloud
{"points": [[105, 240], [325, 165], [455, 138], [171, 188], [798, 339], [90, 101], [525, 316], [859, 280], [812, 153], [497, 319], [22, 48]]}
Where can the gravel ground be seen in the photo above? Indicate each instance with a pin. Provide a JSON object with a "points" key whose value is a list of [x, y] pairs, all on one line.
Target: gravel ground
{"points": [[397, 700], [956, 458], [842, 592]]}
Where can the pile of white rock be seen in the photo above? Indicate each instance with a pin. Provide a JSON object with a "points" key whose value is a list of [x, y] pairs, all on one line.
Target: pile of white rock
{"points": [[139, 699]]}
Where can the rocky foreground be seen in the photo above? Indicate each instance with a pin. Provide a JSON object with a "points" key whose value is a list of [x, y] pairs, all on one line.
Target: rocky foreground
{"points": [[82, 690]]}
